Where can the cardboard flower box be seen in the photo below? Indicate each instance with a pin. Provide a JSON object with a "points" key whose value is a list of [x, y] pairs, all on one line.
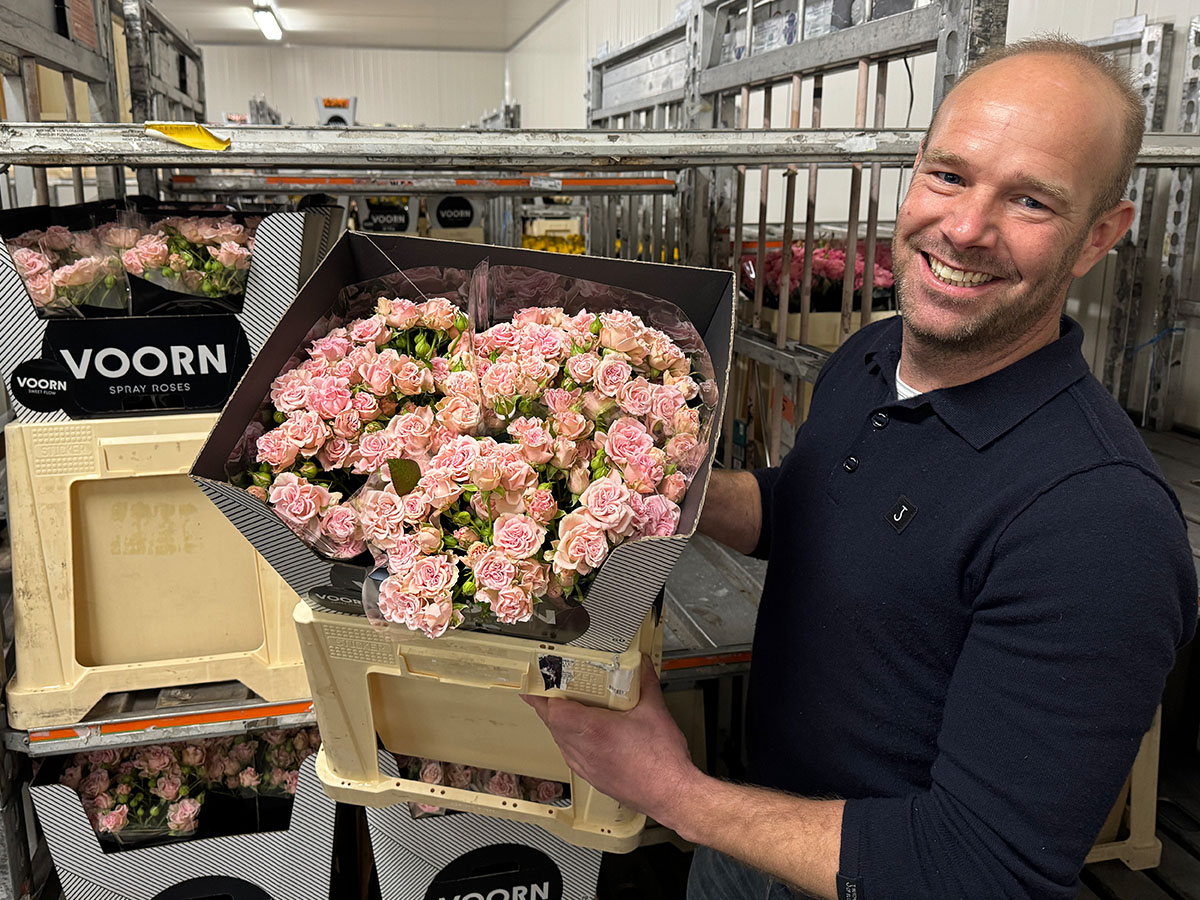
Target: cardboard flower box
{"points": [[293, 864], [60, 368], [627, 584]]}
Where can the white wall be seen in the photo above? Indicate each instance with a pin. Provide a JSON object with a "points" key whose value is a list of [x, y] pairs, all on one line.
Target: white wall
{"points": [[548, 69], [401, 87]]}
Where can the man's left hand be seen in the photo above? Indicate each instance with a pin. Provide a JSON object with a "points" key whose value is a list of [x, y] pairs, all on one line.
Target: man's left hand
{"points": [[639, 757]]}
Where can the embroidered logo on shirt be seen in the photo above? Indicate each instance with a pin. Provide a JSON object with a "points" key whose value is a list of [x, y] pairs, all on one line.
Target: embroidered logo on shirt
{"points": [[902, 513]]}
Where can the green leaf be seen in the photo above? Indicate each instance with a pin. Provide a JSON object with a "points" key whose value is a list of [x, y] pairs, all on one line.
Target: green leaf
{"points": [[405, 475]]}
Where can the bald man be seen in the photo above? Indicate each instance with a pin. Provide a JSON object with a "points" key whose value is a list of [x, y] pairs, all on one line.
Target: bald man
{"points": [[977, 577]]}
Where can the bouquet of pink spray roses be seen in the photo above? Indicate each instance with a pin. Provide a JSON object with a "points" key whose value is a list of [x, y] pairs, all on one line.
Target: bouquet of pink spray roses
{"points": [[486, 472], [201, 256], [136, 794], [67, 272]]}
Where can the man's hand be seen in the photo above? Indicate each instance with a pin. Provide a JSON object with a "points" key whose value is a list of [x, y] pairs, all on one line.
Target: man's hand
{"points": [[638, 757]]}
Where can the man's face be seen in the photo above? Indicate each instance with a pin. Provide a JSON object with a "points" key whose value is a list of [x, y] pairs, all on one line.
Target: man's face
{"points": [[997, 219]]}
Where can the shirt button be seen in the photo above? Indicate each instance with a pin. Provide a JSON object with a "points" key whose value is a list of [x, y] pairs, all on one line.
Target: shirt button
{"points": [[850, 463], [879, 420]]}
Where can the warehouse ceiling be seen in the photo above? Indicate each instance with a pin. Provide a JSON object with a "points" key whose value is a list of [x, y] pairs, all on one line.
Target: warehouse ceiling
{"points": [[419, 24]]}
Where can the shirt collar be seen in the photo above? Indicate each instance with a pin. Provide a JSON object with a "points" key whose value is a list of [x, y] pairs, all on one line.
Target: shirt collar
{"points": [[983, 410]]}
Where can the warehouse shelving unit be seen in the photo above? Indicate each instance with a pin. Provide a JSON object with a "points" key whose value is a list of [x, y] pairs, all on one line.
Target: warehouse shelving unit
{"points": [[711, 656], [165, 74]]}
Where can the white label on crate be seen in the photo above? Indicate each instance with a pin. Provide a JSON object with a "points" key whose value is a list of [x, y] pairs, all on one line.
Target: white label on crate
{"points": [[545, 183], [621, 681]]}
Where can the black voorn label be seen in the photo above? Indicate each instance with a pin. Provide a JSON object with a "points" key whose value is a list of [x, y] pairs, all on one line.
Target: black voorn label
{"points": [[149, 363], [498, 872], [454, 212]]}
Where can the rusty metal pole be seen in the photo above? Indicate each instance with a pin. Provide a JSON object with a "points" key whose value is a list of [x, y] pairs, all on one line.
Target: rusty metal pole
{"points": [[860, 121], [810, 221], [868, 288]]}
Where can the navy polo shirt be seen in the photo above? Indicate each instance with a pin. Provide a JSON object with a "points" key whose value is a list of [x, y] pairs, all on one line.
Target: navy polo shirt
{"points": [[972, 601]]}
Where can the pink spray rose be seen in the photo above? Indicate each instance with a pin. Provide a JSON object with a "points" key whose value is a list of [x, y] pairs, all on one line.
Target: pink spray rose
{"points": [[494, 570], [517, 536], [114, 820], [181, 816]]}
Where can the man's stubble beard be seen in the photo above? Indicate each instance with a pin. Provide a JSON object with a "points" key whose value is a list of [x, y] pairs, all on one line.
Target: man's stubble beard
{"points": [[1002, 325]]}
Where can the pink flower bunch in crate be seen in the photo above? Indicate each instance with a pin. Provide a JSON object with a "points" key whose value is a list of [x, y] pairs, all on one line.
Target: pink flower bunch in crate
{"points": [[139, 793], [264, 763], [484, 781], [66, 271], [485, 473], [198, 255], [136, 794]]}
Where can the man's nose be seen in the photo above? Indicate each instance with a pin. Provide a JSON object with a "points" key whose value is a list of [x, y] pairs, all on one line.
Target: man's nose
{"points": [[970, 221]]}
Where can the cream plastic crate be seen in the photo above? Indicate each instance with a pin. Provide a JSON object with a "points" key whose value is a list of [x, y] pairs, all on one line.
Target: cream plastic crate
{"points": [[1136, 811], [125, 577], [457, 699]]}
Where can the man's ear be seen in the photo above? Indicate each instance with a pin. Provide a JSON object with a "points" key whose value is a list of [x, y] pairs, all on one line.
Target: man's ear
{"points": [[1103, 236]]}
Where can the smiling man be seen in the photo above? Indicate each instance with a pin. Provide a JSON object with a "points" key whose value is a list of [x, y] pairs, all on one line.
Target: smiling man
{"points": [[977, 579]]}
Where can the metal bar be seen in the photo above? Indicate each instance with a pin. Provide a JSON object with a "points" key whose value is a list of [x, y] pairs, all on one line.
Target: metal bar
{"points": [[656, 229], [967, 30], [798, 360], [656, 210], [301, 184], [781, 317], [868, 288], [630, 51], [628, 233], [137, 46], [254, 146], [639, 103], [763, 192], [860, 119], [591, 227], [810, 219], [733, 410], [903, 34], [1127, 33], [611, 231], [33, 110], [1151, 77], [1167, 353], [73, 116], [672, 245]]}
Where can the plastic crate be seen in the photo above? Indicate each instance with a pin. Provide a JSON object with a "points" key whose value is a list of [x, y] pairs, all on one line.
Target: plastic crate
{"points": [[457, 699], [125, 577], [1129, 832], [463, 855]]}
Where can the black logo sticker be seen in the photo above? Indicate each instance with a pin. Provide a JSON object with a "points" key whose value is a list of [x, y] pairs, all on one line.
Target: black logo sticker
{"points": [[385, 214], [41, 384], [147, 363], [454, 212], [901, 514], [499, 872]]}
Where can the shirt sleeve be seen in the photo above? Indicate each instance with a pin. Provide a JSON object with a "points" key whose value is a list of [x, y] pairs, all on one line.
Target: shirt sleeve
{"points": [[767, 479], [1077, 615]]}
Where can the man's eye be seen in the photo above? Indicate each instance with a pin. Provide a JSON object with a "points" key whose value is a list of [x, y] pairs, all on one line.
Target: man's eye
{"points": [[1030, 203], [948, 177]]}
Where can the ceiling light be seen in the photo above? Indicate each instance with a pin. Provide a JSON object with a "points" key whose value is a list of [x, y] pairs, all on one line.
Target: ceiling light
{"points": [[267, 22]]}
